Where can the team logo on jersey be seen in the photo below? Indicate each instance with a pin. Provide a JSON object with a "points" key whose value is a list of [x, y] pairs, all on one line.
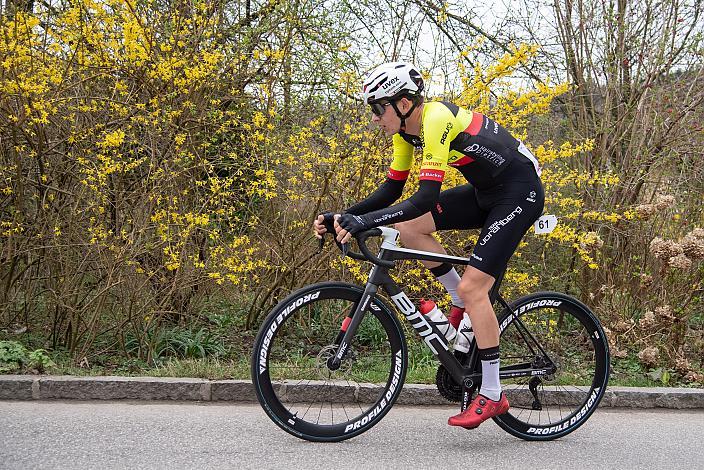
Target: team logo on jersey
{"points": [[488, 122], [434, 175], [398, 175], [444, 134], [486, 154]]}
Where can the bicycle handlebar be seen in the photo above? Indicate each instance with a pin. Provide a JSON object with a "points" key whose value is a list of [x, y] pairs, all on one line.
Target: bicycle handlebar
{"points": [[368, 255], [361, 238]]}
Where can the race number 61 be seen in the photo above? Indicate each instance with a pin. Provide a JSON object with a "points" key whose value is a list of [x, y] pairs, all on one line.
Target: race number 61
{"points": [[545, 224]]}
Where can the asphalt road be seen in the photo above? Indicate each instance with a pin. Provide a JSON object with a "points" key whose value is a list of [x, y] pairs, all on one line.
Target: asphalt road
{"points": [[189, 435]]}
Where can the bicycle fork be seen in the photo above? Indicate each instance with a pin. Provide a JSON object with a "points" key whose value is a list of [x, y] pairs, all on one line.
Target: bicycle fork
{"points": [[350, 325], [433, 338]]}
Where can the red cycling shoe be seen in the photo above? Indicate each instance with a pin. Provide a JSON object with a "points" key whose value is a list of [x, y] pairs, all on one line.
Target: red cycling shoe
{"points": [[479, 411], [455, 316]]}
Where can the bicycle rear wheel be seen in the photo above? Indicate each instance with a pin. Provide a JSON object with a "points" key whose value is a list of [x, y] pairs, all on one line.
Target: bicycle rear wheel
{"points": [[289, 364], [552, 332]]}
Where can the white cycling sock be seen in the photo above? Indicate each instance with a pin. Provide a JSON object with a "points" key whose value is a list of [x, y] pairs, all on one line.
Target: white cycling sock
{"points": [[491, 387]]}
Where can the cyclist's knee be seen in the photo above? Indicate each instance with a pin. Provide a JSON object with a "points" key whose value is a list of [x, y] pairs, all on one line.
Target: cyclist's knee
{"points": [[474, 286], [467, 291], [410, 230], [404, 227]]}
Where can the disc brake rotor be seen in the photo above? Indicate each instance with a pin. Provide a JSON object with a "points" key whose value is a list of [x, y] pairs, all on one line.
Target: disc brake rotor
{"points": [[322, 362]]}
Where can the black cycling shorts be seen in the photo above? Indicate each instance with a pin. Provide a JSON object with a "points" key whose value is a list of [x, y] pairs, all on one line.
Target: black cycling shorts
{"points": [[504, 212]]}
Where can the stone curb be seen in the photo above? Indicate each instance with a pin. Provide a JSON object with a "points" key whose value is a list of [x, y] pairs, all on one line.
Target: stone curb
{"points": [[25, 387]]}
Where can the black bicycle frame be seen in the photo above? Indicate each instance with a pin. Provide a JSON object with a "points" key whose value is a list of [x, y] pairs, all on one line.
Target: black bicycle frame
{"points": [[431, 335]]}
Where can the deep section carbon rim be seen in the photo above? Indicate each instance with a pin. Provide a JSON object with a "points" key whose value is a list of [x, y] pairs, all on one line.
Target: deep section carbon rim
{"points": [[562, 342], [289, 365]]}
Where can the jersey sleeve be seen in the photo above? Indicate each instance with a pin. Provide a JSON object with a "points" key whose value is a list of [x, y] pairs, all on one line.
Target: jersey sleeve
{"points": [[438, 130], [385, 195], [392, 188], [402, 159]]}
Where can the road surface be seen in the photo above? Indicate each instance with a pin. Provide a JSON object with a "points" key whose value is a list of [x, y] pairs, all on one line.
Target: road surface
{"points": [[190, 435]]}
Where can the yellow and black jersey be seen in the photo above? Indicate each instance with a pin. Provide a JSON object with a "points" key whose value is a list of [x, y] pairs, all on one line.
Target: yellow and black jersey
{"points": [[504, 197], [451, 136]]}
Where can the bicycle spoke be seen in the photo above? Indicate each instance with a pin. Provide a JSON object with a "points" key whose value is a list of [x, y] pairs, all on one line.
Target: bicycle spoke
{"points": [[347, 417], [329, 400], [552, 333], [319, 413]]}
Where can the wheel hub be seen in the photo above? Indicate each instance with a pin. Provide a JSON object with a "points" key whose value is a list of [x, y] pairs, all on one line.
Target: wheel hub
{"points": [[324, 364]]}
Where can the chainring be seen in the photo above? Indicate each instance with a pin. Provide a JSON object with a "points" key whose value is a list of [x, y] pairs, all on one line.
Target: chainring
{"points": [[448, 388]]}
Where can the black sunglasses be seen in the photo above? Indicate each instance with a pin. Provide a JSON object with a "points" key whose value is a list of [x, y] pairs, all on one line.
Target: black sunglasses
{"points": [[379, 108]]}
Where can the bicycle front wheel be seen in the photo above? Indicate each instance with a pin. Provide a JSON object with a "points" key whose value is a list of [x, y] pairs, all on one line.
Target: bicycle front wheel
{"points": [[289, 364], [562, 345]]}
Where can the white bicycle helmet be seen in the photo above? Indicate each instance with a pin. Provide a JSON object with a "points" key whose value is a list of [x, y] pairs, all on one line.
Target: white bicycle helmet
{"points": [[391, 81]]}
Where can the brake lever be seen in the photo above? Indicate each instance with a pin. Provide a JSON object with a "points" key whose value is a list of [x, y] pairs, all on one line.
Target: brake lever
{"points": [[343, 247]]}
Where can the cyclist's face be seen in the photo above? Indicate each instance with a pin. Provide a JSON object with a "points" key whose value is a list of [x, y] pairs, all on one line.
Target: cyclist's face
{"points": [[383, 115]]}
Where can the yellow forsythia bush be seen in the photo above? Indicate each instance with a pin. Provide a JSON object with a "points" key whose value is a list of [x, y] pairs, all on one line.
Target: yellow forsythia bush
{"points": [[152, 160]]}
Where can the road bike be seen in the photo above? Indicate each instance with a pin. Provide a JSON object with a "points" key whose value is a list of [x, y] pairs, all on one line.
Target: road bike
{"points": [[330, 360]]}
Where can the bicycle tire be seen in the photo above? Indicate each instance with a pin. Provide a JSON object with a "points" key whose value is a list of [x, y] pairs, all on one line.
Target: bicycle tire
{"points": [[573, 338], [289, 361]]}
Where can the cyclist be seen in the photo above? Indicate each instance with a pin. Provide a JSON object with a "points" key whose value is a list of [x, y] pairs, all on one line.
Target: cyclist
{"points": [[503, 197]]}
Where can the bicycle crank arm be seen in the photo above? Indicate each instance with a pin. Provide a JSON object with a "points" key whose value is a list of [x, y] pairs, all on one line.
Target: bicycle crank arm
{"points": [[468, 388]]}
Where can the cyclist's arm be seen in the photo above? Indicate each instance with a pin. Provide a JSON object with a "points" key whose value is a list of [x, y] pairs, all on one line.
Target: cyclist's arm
{"points": [[418, 204], [439, 132], [385, 195], [391, 189]]}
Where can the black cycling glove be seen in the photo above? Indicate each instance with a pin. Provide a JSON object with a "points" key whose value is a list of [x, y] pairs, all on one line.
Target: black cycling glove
{"points": [[354, 223]]}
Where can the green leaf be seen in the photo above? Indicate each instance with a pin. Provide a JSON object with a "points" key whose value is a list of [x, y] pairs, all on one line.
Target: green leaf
{"points": [[665, 379]]}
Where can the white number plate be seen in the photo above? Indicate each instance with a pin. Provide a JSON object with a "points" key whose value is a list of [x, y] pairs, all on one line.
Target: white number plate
{"points": [[545, 224]]}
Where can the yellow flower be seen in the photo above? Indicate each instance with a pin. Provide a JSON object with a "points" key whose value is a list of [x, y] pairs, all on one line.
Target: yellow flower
{"points": [[112, 139]]}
